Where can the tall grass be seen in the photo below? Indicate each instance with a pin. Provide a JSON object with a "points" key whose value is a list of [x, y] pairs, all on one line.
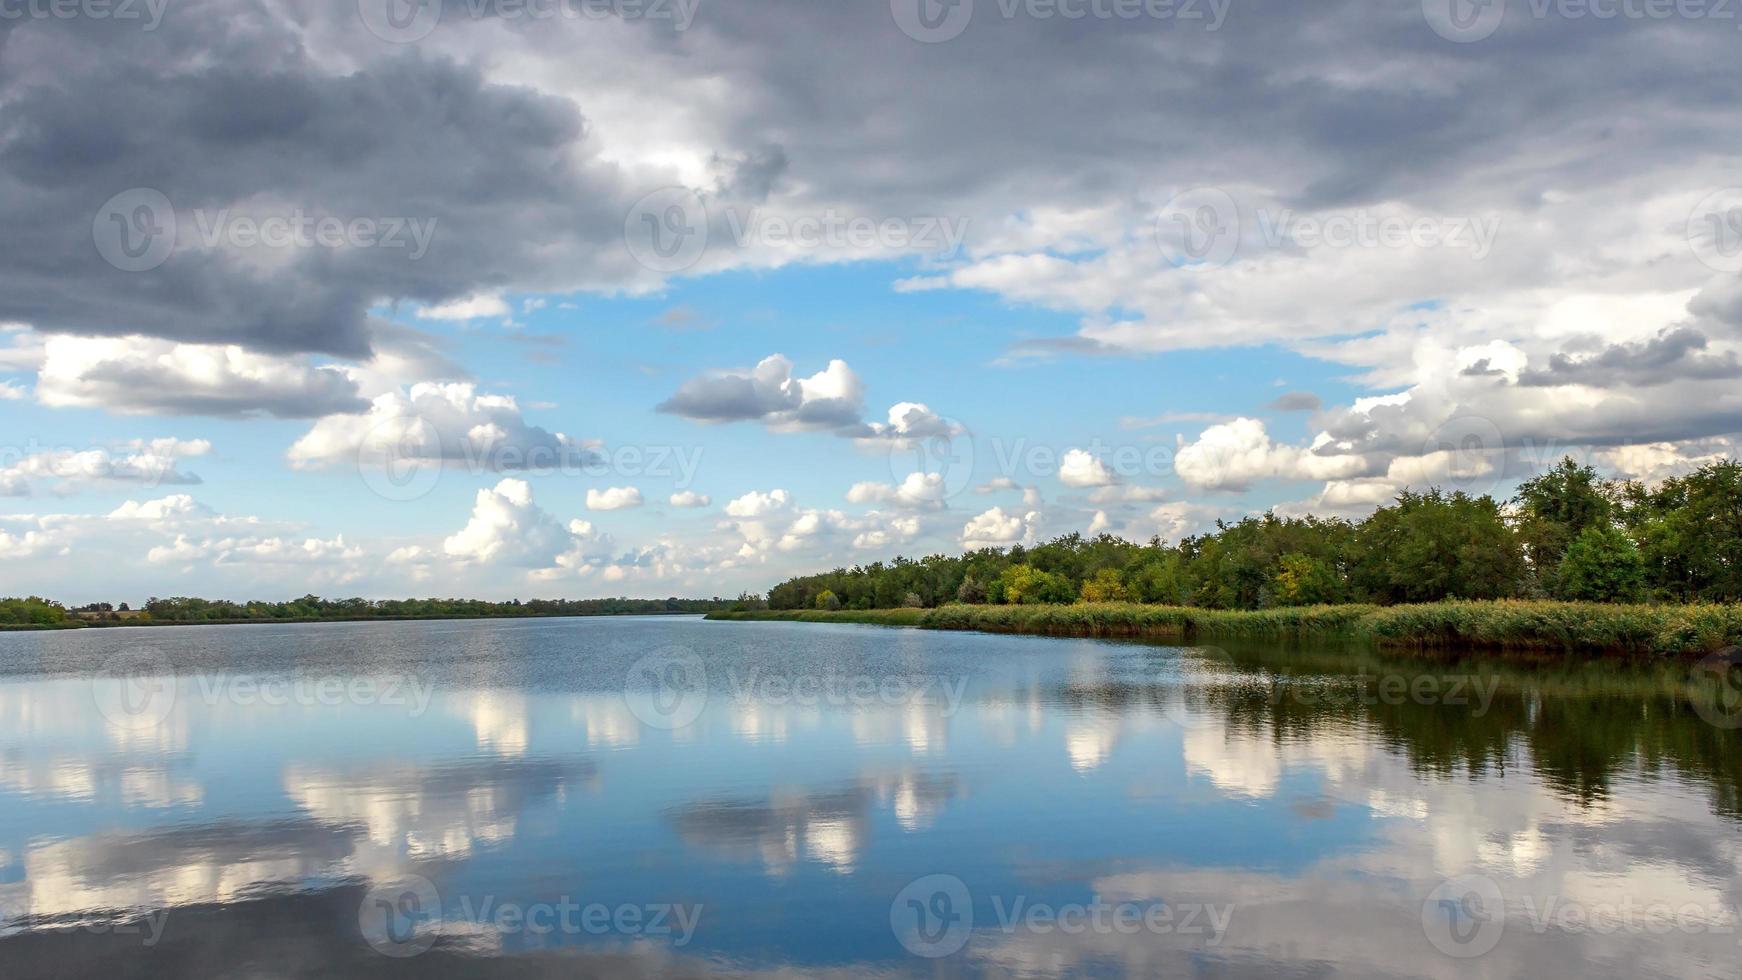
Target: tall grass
{"points": [[1664, 630], [876, 617]]}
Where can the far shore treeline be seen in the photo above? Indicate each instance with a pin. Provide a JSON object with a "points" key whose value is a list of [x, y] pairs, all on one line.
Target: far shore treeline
{"points": [[1567, 534], [38, 612]]}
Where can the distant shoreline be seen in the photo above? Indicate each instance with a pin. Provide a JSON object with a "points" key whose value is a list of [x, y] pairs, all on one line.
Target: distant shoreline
{"points": [[1505, 625], [142, 623]]}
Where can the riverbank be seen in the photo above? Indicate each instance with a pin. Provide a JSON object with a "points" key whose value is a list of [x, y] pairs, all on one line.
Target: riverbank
{"points": [[143, 623], [1574, 627]]}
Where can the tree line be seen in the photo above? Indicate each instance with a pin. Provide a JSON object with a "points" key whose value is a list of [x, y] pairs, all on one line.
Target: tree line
{"points": [[36, 611], [1567, 534]]}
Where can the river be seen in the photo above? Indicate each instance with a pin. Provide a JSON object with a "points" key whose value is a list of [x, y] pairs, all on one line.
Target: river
{"points": [[674, 797]]}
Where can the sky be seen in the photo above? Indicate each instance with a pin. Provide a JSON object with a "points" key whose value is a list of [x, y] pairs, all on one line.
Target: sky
{"points": [[683, 297]]}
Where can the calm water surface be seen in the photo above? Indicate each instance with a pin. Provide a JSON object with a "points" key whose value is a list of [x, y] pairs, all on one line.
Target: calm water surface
{"points": [[668, 797]]}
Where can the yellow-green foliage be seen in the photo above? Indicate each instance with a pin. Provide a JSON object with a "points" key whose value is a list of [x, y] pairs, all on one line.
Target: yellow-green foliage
{"points": [[1524, 625]]}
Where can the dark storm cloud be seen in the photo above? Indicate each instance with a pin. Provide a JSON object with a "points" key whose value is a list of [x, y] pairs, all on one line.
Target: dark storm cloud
{"points": [[1297, 401], [223, 111], [727, 398], [253, 106], [736, 398], [1673, 355], [1483, 368]]}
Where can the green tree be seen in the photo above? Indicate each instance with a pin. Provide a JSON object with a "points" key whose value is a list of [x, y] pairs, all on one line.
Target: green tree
{"points": [[1159, 578], [1434, 546], [1689, 530], [1602, 565], [827, 600], [971, 591], [1554, 509], [1302, 580]]}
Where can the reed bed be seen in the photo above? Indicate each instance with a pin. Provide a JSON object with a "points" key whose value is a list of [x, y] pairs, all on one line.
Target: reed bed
{"points": [[1576, 627]]}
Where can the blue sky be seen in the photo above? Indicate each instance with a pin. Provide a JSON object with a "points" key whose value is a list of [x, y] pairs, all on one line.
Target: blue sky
{"points": [[595, 367]]}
